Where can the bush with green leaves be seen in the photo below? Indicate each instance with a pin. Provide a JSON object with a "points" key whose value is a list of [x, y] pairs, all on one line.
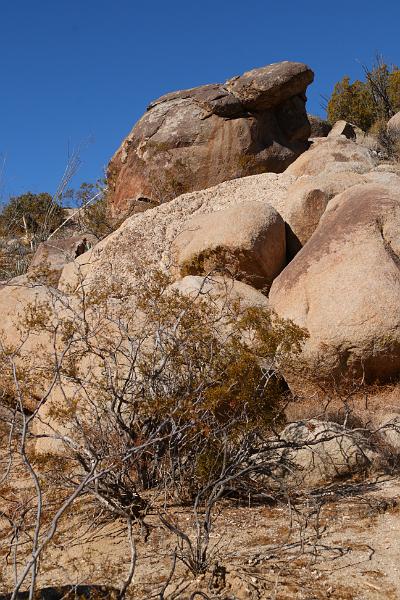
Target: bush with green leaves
{"points": [[367, 102], [32, 215]]}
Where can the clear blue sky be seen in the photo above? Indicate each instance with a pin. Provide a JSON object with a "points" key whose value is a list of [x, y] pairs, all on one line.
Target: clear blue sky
{"points": [[74, 70]]}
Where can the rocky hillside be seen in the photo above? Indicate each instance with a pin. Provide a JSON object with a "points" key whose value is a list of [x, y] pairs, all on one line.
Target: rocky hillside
{"points": [[233, 348]]}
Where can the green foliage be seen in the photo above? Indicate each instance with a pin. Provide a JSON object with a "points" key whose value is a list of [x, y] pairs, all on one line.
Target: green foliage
{"points": [[366, 102], [35, 215], [394, 88], [351, 102]]}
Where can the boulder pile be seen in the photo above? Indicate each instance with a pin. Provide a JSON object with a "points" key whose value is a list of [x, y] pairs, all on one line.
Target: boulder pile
{"points": [[319, 242]]}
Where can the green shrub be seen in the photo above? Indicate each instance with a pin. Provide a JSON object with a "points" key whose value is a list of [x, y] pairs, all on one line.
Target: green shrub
{"points": [[33, 215], [351, 102], [366, 102]]}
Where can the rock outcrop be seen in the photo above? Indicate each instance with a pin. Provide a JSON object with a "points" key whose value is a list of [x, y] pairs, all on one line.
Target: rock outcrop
{"points": [[147, 239], [193, 139], [306, 201], [344, 287], [50, 257], [333, 154], [246, 240]]}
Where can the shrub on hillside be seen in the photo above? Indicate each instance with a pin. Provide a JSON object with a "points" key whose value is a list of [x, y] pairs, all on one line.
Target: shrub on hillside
{"points": [[93, 215], [34, 216], [364, 103], [159, 395]]}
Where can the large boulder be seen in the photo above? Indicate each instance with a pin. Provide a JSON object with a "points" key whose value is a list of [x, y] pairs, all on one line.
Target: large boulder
{"points": [[146, 240], [343, 128], [246, 240], [193, 139], [324, 452], [264, 88], [332, 154], [344, 287], [306, 201]]}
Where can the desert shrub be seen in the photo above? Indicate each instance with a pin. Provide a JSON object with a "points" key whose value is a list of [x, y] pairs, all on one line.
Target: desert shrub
{"points": [[96, 219], [157, 395], [15, 258], [367, 102], [25, 221], [187, 371], [91, 201], [389, 142], [351, 102], [32, 215]]}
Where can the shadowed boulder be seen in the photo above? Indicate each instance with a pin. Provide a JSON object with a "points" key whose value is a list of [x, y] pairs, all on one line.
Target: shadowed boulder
{"points": [[51, 256], [319, 127], [194, 139]]}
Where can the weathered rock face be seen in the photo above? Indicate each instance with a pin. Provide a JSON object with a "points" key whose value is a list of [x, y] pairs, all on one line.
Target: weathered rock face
{"points": [[193, 139], [344, 287], [147, 239], [17, 303], [50, 257], [333, 154], [306, 201], [247, 240], [269, 86]]}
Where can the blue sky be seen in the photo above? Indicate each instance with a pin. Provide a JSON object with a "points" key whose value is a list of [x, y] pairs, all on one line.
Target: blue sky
{"points": [[82, 71]]}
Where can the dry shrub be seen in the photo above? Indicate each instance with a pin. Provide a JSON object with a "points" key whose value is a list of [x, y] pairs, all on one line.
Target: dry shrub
{"points": [[147, 395]]}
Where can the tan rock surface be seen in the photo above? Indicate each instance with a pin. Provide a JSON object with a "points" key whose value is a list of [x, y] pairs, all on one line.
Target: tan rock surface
{"points": [[306, 201], [18, 303], [393, 125], [147, 238], [51, 256], [344, 286], [247, 240], [343, 128], [334, 154]]}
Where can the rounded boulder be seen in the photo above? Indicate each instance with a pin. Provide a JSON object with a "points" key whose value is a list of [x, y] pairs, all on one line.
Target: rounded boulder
{"points": [[344, 287], [246, 240]]}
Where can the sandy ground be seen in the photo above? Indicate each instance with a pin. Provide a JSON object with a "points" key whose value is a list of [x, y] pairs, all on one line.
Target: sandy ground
{"points": [[349, 549]]}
